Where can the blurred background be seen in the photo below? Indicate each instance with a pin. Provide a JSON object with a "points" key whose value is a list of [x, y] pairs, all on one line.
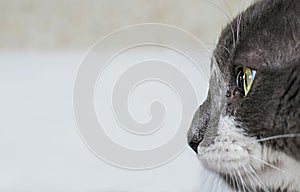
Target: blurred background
{"points": [[76, 24], [42, 44]]}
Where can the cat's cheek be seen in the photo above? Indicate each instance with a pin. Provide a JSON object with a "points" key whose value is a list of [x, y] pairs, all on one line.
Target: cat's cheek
{"points": [[230, 150]]}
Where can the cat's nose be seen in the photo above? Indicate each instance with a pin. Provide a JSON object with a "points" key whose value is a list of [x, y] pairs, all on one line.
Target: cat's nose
{"points": [[198, 126], [194, 138], [194, 145]]}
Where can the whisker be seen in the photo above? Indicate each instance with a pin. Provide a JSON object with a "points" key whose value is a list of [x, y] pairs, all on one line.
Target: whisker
{"points": [[259, 181], [224, 12], [218, 45], [238, 27], [242, 5], [222, 46], [242, 181], [291, 135], [266, 163], [232, 180], [237, 181], [248, 175], [226, 5], [256, 178], [280, 136], [210, 51]]}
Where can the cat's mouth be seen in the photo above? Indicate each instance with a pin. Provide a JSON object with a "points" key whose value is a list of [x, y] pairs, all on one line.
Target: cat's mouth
{"points": [[235, 160], [225, 159]]}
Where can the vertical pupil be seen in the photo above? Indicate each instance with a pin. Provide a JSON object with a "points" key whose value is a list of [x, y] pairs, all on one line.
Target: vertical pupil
{"points": [[241, 80], [244, 80]]}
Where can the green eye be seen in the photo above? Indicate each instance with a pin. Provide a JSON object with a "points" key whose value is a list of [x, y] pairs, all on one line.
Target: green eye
{"points": [[244, 79]]}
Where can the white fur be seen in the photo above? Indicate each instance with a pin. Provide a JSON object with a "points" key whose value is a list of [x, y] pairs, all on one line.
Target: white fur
{"points": [[244, 158]]}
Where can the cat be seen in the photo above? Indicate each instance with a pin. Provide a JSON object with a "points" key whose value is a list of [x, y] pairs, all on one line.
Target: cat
{"points": [[248, 128]]}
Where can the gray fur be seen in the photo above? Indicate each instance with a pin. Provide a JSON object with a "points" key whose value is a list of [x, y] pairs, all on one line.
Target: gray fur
{"points": [[268, 40]]}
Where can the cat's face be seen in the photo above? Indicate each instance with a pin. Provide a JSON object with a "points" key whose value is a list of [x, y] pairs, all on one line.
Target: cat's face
{"points": [[253, 96]]}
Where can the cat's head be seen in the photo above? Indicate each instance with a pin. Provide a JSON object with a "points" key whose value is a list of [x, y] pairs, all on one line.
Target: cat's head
{"points": [[248, 125]]}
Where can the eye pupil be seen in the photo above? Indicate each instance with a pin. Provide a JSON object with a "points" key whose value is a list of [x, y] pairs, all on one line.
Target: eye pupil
{"points": [[244, 80], [240, 81]]}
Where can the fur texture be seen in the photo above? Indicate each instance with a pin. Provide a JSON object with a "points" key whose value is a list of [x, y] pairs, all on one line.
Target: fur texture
{"points": [[253, 142]]}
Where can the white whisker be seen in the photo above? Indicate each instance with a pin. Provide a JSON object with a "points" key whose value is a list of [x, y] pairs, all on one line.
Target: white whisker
{"points": [[237, 181], [238, 27], [226, 4], [291, 135], [280, 136], [266, 163], [260, 182], [242, 181], [218, 45], [248, 175], [224, 12]]}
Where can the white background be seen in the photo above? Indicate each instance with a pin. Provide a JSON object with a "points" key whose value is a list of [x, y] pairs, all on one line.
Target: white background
{"points": [[41, 149]]}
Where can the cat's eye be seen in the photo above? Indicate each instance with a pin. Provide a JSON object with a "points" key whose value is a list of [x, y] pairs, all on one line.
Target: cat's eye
{"points": [[244, 79]]}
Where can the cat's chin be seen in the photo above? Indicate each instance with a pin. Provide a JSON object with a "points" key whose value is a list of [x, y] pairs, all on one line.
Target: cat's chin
{"points": [[225, 168], [231, 167]]}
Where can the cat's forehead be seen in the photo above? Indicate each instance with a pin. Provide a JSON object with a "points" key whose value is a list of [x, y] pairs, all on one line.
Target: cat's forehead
{"points": [[266, 35]]}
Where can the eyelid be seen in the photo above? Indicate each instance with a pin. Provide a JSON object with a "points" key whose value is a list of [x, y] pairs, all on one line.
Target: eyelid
{"points": [[236, 69]]}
